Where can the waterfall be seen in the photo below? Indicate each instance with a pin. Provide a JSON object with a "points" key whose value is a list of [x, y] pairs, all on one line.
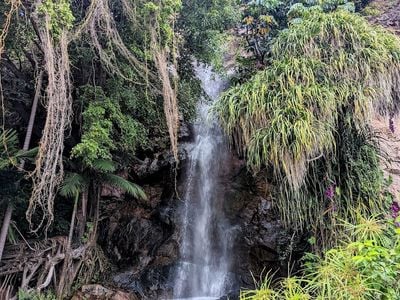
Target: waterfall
{"points": [[203, 270]]}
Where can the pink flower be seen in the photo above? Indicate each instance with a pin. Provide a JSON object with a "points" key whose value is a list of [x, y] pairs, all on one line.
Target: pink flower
{"points": [[395, 209], [391, 125], [330, 191]]}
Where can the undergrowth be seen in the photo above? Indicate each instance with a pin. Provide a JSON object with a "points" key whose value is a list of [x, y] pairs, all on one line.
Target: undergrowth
{"points": [[306, 117], [365, 265]]}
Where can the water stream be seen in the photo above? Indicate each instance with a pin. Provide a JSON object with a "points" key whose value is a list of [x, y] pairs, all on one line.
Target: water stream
{"points": [[204, 268]]}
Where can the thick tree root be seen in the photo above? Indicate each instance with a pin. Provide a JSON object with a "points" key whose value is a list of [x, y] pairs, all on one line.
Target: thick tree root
{"points": [[38, 264]]}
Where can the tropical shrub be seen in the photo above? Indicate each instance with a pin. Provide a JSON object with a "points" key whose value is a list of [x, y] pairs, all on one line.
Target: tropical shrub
{"points": [[306, 117], [366, 266], [203, 23], [106, 128]]}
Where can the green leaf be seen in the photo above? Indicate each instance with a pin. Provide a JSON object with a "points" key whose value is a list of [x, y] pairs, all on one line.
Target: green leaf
{"points": [[31, 153], [103, 165], [73, 185], [129, 187]]}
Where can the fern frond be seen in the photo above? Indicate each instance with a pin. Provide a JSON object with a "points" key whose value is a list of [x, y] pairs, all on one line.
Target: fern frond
{"points": [[73, 185], [29, 154], [104, 165], [126, 185]]}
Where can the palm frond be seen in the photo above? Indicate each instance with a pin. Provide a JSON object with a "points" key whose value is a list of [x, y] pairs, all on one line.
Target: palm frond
{"points": [[8, 148], [8, 140], [73, 185], [126, 185], [104, 165], [28, 154]]}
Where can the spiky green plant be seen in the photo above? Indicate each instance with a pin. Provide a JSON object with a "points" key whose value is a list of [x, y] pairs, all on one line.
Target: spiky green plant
{"points": [[371, 228], [306, 115], [263, 290], [365, 268]]}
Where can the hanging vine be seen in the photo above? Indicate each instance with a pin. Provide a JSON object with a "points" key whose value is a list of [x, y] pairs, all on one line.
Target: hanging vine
{"points": [[49, 171], [55, 22], [160, 50], [101, 23], [169, 94]]}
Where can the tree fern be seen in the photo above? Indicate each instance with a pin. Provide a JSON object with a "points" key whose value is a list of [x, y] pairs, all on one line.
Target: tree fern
{"points": [[103, 165], [126, 185], [73, 185]]}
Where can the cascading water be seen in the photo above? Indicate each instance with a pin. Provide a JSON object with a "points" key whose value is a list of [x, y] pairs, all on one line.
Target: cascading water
{"points": [[203, 271]]}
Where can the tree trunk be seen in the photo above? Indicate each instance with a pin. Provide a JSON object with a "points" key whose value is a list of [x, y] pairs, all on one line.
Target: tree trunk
{"points": [[67, 260], [27, 141], [4, 228], [32, 117], [82, 215]]}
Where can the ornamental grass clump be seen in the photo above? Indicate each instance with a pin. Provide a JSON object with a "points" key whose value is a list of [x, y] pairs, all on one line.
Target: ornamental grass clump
{"points": [[307, 114], [364, 265]]}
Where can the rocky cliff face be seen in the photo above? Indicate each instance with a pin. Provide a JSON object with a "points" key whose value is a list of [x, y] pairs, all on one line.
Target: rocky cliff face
{"points": [[387, 128], [141, 238], [388, 14]]}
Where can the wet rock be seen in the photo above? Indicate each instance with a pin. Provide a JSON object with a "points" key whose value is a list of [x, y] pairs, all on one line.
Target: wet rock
{"points": [[261, 243], [154, 169], [231, 296], [141, 237], [388, 16], [137, 235], [185, 132], [127, 280], [154, 195], [166, 254]]}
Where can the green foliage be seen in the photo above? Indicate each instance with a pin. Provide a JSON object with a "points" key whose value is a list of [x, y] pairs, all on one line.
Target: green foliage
{"points": [[258, 32], [365, 268], [307, 114], [360, 268], [324, 5], [99, 172], [104, 166], [214, 50], [60, 14], [96, 141], [106, 128], [8, 148], [10, 154], [140, 104], [189, 91], [31, 295], [73, 185], [127, 186], [165, 10], [202, 23], [268, 4]]}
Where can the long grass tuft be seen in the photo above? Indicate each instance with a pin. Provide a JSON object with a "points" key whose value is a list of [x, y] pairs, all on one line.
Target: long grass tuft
{"points": [[307, 114]]}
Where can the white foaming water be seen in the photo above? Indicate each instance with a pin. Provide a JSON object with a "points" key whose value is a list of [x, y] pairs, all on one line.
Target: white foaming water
{"points": [[203, 271]]}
